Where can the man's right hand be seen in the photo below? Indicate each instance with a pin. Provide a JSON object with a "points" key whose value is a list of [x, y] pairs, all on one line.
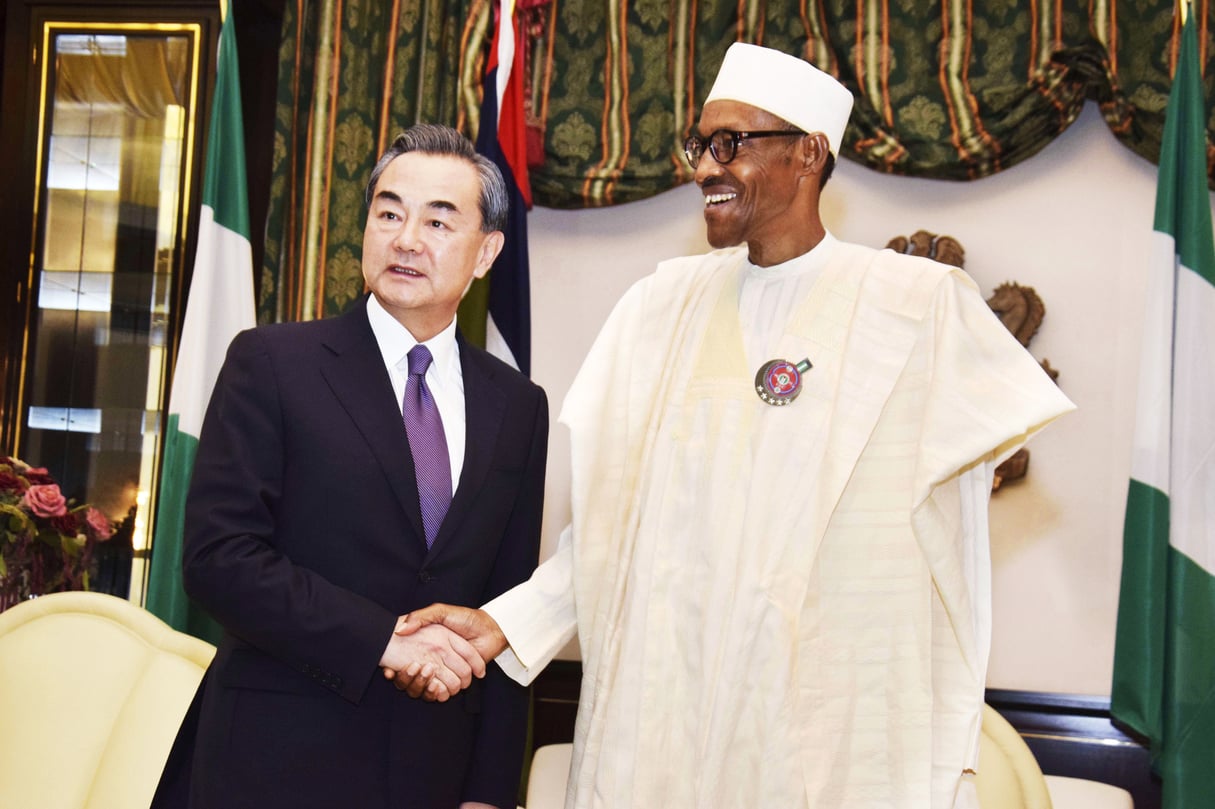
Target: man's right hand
{"points": [[439, 663], [473, 625]]}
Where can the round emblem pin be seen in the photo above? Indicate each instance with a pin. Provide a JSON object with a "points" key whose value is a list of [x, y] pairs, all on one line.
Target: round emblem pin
{"points": [[778, 382]]}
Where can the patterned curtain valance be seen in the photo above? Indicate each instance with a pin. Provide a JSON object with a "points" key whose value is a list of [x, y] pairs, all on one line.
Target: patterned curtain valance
{"points": [[951, 90]]}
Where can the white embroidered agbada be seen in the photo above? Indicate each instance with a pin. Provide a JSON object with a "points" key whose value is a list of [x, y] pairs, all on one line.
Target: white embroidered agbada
{"points": [[782, 606]]}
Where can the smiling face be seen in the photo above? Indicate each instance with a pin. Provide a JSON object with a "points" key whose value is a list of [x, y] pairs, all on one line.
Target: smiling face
{"points": [[767, 196], [423, 244]]}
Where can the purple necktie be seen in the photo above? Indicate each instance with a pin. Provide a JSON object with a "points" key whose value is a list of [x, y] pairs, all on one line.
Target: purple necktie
{"points": [[427, 444]]}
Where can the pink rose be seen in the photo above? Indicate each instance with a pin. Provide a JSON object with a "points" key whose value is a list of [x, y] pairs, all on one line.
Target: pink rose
{"points": [[39, 475], [98, 524], [45, 501]]}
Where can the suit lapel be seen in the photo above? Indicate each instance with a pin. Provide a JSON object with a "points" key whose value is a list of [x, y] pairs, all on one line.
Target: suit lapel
{"points": [[356, 374], [484, 409]]}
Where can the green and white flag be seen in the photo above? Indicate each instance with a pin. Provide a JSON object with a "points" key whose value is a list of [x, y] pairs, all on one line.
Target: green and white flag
{"points": [[220, 304], [1164, 659]]}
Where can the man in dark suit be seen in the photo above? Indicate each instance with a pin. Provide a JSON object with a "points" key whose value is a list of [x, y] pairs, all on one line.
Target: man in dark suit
{"points": [[339, 485]]}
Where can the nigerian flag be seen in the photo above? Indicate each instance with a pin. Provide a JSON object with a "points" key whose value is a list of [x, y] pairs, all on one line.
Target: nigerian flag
{"points": [[1164, 659], [220, 304]]}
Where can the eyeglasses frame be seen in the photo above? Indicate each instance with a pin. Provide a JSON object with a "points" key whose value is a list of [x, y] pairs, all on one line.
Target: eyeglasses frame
{"points": [[736, 138]]}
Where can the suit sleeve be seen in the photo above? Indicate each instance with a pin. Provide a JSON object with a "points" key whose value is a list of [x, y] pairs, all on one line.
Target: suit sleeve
{"points": [[497, 760], [231, 564]]}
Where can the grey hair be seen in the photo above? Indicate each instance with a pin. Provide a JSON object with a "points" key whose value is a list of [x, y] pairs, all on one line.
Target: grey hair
{"points": [[443, 140]]}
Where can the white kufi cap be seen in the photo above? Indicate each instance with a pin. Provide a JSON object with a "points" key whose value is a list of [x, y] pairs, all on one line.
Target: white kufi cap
{"points": [[786, 86]]}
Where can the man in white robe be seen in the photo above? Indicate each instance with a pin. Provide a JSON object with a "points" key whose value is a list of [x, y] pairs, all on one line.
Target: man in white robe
{"points": [[780, 601]]}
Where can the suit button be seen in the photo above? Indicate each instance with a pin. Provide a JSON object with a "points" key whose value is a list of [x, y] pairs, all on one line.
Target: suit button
{"points": [[425, 577]]}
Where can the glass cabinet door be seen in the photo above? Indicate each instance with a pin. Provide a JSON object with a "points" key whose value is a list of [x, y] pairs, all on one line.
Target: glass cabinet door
{"points": [[117, 115]]}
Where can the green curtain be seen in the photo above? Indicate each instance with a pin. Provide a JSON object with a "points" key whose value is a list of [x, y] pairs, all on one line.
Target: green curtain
{"points": [[947, 90], [352, 73]]}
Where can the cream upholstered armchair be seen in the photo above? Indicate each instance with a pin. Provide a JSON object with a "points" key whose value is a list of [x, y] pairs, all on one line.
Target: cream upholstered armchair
{"points": [[92, 691], [1009, 776]]}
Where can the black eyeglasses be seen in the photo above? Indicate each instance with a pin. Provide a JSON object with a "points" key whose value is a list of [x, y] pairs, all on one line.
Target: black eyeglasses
{"points": [[723, 144]]}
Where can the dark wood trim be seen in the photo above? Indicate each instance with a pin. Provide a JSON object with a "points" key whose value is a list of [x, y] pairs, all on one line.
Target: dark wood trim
{"points": [[1069, 734]]}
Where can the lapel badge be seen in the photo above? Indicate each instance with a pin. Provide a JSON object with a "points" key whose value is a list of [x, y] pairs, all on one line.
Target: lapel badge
{"points": [[778, 382]]}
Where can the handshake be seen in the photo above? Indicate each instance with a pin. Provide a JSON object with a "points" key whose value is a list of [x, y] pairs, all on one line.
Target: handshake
{"points": [[435, 652]]}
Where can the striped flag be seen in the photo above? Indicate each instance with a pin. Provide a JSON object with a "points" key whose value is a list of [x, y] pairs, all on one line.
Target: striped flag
{"points": [[502, 138], [1164, 659], [220, 304]]}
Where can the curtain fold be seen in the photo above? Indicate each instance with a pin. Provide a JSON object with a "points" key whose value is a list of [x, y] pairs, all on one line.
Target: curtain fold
{"points": [[143, 80], [950, 90]]}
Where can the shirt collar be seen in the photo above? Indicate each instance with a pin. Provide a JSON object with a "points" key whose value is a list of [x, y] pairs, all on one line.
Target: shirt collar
{"points": [[395, 341]]}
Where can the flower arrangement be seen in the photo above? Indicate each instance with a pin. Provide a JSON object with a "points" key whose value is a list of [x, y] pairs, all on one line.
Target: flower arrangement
{"points": [[46, 541]]}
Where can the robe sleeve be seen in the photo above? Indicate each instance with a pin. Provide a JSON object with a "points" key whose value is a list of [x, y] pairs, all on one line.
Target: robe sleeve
{"points": [[988, 394], [987, 397], [538, 616]]}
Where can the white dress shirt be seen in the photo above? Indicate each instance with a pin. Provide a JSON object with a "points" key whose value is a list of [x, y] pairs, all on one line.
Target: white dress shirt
{"points": [[768, 295], [444, 377]]}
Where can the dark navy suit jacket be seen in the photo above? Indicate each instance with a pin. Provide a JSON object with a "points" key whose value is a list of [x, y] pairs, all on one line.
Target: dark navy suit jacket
{"points": [[304, 540]]}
